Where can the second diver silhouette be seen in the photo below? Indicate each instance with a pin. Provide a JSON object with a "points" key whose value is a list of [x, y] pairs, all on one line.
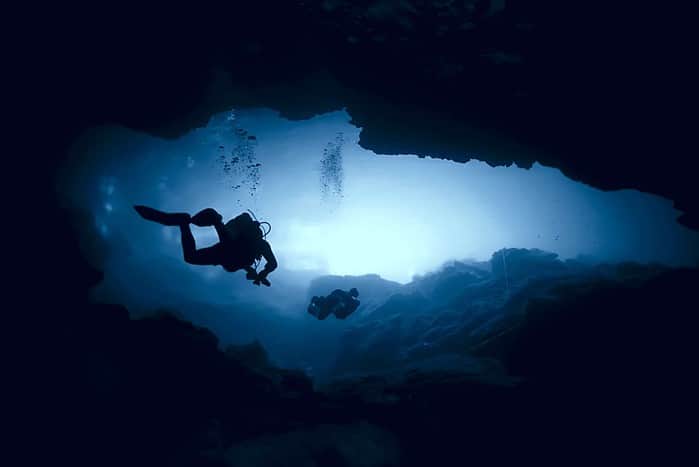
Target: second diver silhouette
{"points": [[241, 241], [340, 303]]}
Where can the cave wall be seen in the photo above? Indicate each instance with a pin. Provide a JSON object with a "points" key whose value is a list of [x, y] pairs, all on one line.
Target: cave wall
{"points": [[601, 91]]}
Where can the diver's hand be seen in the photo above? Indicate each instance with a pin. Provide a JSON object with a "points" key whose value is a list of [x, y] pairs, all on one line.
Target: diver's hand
{"points": [[262, 280]]}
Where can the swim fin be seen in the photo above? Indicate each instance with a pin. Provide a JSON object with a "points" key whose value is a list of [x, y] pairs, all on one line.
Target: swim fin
{"points": [[165, 218]]}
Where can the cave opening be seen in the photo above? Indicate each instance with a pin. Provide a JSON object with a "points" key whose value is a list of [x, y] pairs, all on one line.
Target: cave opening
{"points": [[337, 210]]}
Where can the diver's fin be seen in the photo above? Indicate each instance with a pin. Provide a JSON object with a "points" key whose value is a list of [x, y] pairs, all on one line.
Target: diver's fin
{"points": [[165, 218]]}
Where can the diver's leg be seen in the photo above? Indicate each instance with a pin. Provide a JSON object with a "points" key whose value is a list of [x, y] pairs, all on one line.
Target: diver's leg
{"points": [[210, 217], [224, 236], [161, 217], [207, 217], [188, 244], [202, 256]]}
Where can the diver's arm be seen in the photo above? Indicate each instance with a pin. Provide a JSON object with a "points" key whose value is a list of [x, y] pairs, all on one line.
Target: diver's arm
{"points": [[269, 258]]}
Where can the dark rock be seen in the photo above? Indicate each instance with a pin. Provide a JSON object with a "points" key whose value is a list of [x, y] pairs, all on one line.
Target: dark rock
{"points": [[406, 91]]}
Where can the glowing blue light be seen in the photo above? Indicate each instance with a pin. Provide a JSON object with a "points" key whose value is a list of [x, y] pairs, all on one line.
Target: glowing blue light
{"points": [[398, 216]]}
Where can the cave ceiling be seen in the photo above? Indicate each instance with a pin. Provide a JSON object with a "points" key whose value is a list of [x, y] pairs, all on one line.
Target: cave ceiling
{"points": [[605, 92]]}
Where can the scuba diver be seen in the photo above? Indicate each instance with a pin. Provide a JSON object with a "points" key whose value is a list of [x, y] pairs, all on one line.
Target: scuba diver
{"points": [[340, 303], [241, 241]]}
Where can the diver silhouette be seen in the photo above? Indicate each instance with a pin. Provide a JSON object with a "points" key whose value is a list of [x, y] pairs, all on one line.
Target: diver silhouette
{"points": [[241, 241], [340, 303]]}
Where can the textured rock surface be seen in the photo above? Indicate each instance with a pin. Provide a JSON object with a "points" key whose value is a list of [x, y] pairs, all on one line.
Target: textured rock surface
{"points": [[602, 91], [448, 318]]}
